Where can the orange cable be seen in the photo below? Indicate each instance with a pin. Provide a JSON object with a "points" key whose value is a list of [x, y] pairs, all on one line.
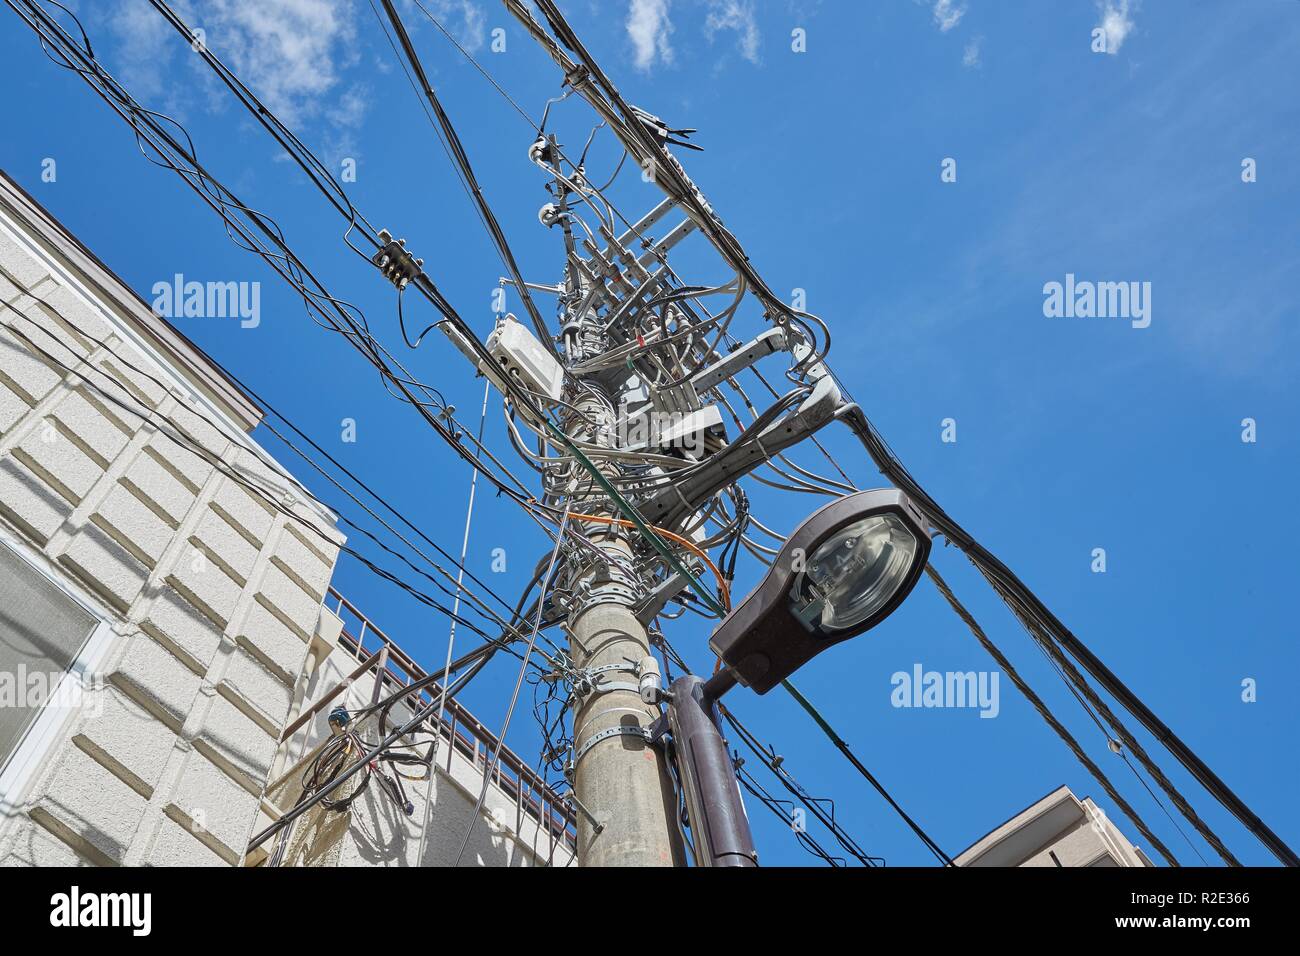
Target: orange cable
{"points": [[724, 591]]}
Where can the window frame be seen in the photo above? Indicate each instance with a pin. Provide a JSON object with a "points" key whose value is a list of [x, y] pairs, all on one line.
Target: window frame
{"points": [[19, 770]]}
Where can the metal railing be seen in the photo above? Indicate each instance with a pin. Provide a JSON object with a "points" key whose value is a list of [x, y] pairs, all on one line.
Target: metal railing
{"points": [[463, 733]]}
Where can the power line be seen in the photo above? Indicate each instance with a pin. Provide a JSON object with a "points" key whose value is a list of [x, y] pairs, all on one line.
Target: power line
{"points": [[461, 159], [1046, 713], [176, 435], [672, 177], [292, 269], [629, 124], [843, 748], [221, 199], [778, 807], [776, 765], [423, 284]]}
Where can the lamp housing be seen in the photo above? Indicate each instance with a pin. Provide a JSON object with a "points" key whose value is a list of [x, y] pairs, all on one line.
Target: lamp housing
{"points": [[839, 574]]}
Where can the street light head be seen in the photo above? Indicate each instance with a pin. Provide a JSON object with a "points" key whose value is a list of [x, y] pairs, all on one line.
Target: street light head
{"points": [[840, 573], [851, 576]]}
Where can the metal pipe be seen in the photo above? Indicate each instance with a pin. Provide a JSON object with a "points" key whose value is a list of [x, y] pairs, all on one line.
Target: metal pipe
{"points": [[715, 810]]}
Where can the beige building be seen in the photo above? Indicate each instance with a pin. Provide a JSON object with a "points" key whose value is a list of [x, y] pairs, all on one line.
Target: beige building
{"points": [[1058, 830], [162, 582], [523, 823]]}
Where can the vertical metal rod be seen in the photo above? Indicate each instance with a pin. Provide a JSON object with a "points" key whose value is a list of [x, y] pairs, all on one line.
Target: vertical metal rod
{"points": [[715, 809]]}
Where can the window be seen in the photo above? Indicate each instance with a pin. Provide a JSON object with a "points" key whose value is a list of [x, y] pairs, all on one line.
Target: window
{"points": [[42, 632]]}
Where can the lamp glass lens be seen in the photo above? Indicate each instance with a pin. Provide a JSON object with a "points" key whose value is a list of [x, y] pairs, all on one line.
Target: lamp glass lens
{"points": [[857, 570]]}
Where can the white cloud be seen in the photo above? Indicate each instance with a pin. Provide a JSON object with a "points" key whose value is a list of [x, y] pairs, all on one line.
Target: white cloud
{"points": [[947, 14], [292, 53], [1115, 23], [735, 15], [648, 27], [140, 33], [464, 19], [970, 56]]}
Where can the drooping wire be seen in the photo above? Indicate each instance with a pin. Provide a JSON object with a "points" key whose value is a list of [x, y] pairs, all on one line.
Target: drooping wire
{"points": [[1047, 715], [814, 805], [843, 747]]}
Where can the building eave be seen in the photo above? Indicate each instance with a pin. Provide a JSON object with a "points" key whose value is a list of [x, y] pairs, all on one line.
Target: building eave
{"points": [[189, 360]]}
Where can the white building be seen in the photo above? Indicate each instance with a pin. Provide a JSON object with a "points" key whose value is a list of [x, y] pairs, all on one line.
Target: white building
{"points": [[522, 822], [1058, 830], [161, 617]]}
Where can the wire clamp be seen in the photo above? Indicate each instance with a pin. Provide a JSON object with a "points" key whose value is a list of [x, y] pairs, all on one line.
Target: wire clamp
{"points": [[398, 266], [622, 730], [587, 680]]}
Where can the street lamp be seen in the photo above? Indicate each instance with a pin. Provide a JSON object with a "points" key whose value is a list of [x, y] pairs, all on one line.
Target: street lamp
{"points": [[842, 572], [839, 574]]}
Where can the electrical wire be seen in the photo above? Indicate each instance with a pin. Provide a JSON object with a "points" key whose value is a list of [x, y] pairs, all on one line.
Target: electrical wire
{"points": [[672, 178], [1047, 715], [776, 765], [490, 768], [177, 436], [843, 747]]}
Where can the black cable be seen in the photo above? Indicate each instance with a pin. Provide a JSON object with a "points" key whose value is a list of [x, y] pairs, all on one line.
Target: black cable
{"points": [[426, 287], [843, 748], [813, 804], [778, 807], [1022, 600], [138, 408], [1047, 715], [461, 159], [401, 323], [293, 270], [338, 779], [1046, 628]]}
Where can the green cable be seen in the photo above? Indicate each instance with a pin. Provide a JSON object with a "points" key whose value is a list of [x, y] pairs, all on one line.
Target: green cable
{"points": [[632, 515]]}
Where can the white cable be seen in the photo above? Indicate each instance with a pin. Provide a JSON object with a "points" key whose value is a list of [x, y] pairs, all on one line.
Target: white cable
{"points": [[451, 643], [490, 766]]}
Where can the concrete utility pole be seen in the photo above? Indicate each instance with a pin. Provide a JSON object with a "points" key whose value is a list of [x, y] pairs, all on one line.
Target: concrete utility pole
{"points": [[619, 778]]}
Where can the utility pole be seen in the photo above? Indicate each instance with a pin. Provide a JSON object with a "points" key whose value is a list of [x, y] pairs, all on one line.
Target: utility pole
{"points": [[627, 802]]}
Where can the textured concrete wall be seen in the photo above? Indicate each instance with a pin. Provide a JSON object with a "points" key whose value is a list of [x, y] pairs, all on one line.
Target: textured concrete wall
{"points": [[373, 832], [213, 591]]}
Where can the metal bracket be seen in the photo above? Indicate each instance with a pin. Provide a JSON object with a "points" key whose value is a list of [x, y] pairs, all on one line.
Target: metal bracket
{"points": [[631, 667], [588, 684], [675, 503], [770, 341], [571, 798], [656, 600], [660, 731], [605, 688], [622, 730]]}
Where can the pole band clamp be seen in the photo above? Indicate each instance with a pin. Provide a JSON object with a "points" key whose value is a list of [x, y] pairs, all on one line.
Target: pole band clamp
{"points": [[622, 730]]}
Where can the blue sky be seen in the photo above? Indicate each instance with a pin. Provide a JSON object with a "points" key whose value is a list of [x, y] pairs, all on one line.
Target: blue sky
{"points": [[1072, 434]]}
